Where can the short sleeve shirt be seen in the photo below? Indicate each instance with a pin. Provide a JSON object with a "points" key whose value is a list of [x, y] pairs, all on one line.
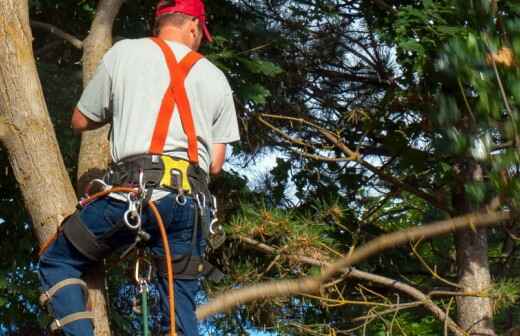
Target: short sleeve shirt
{"points": [[128, 87]]}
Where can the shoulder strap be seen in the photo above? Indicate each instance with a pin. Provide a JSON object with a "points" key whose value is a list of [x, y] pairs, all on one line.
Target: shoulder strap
{"points": [[175, 94]]}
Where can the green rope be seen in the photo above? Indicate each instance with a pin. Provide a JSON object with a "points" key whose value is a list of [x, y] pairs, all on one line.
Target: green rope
{"points": [[144, 309]]}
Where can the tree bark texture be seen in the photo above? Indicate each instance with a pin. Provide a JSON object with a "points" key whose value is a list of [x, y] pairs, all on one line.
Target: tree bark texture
{"points": [[474, 314], [95, 153], [28, 133]]}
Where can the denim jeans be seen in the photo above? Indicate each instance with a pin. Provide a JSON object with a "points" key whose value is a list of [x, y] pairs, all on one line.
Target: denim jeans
{"points": [[62, 260]]}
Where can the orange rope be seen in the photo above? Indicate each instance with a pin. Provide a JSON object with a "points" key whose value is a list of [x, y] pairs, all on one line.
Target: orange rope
{"points": [[169, 266]]}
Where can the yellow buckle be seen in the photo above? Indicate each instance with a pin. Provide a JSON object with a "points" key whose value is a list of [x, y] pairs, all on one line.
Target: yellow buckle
{"points": [[178, 169]]}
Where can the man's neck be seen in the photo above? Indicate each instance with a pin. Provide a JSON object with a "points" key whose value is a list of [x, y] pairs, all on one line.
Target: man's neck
{"points": [[174, 35]]}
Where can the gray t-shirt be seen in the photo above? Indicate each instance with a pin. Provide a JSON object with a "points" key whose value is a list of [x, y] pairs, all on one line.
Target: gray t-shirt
{"points": [[128, 88]]}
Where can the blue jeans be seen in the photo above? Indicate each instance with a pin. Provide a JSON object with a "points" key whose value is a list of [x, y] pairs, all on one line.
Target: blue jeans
{"points": [[62, 260]]}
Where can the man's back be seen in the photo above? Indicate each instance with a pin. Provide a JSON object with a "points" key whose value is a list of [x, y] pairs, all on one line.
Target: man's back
{"points": [[131, 82]]}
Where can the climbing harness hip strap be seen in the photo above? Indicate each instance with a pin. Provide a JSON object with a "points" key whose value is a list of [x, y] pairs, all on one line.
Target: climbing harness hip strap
{"points": [[175, 95], [159, 172]]}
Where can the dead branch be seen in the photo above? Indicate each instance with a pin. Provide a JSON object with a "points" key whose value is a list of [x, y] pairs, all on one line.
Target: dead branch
{"points": [[352, 272], [274, 289], [76, 42]]}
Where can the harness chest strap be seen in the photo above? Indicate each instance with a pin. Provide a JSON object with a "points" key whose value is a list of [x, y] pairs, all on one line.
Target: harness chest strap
{"points": [[175, 95]]}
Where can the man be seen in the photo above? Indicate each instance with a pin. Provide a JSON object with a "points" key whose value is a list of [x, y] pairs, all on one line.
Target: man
{"points": [[164, 101]]}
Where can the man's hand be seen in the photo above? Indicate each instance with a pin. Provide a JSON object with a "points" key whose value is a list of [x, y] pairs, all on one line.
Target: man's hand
{"points": [[219, 156], [80, 123]]}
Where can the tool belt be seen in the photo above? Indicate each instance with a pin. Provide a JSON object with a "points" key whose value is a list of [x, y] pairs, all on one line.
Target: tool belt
{"points": [[159, 172]]}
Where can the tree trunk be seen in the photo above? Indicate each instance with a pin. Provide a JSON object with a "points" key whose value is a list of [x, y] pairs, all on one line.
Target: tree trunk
{"points": [[94, 154], [474, 314], [28, 133]]}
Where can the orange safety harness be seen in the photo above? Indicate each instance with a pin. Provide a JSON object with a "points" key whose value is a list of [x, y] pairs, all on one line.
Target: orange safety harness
{"points": [[175, 95]]}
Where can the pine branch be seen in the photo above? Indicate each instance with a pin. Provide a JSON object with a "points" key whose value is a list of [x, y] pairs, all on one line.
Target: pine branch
{"points": [[274, 289]]}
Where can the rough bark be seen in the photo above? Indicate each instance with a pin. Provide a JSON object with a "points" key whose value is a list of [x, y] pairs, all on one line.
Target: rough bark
{"points": [[94, 153], [474, 314], [28, 133]]}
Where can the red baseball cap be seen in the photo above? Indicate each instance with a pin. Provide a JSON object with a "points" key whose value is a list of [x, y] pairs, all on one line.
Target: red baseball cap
{"points": [[193, 8]]}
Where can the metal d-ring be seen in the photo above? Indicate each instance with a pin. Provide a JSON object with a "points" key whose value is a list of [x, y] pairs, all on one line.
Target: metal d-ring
{"points": [[181, 199]]}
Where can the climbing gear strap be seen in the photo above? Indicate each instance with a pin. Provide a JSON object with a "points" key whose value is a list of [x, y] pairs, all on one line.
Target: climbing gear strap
{"points": [[175, 95], [48, 294], [159, 172], [59, 324], [84, 240], [188, 267]]}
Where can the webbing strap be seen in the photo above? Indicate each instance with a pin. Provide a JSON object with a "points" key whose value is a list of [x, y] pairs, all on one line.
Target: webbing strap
{"points": [[45, 297], [59, 324], [175, 95]]}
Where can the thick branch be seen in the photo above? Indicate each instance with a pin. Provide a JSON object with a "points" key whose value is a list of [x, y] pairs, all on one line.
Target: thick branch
{"points": [[355, 273], [76, 42], [273, 289]]}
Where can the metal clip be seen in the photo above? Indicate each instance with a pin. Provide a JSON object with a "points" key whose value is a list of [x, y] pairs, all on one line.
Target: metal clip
{"points": [[201, 203], [143, 278], [132, 214], [181, 199], [214, 210]]}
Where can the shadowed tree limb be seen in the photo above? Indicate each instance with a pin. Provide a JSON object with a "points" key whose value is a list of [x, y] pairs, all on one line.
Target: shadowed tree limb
{"points": [[76, 42]]}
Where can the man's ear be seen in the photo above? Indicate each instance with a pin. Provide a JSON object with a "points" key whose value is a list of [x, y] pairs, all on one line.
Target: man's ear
{"points": [[194, 26]]}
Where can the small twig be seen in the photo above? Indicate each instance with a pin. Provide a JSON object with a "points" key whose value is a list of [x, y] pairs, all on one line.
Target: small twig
{"points": [[351, 155], [76, 42], [432, 271], [466, 102], [402, 306], [447, 315]]}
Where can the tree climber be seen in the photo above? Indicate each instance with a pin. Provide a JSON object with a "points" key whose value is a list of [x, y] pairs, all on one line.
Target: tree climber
{"points": [[172, 114]]}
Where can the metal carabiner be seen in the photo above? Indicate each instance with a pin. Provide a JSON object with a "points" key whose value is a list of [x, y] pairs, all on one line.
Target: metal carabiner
{"points": [[214, 210], [212, 224], [141, 181], [201, 204], [131, 214], [144, 278]]}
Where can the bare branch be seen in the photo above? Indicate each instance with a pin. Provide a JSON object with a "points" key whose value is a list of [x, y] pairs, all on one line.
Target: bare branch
{"points": [[76, 42], [355, 156], [273, 289], [352, 272]]}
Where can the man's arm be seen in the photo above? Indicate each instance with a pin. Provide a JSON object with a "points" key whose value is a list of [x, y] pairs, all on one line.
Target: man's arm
{"points": [[219, 156], [80, 122]]}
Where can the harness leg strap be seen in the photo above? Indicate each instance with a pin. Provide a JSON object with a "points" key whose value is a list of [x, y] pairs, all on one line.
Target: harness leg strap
{"points": [[47, 296], [59, 324], [83, 240]]}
